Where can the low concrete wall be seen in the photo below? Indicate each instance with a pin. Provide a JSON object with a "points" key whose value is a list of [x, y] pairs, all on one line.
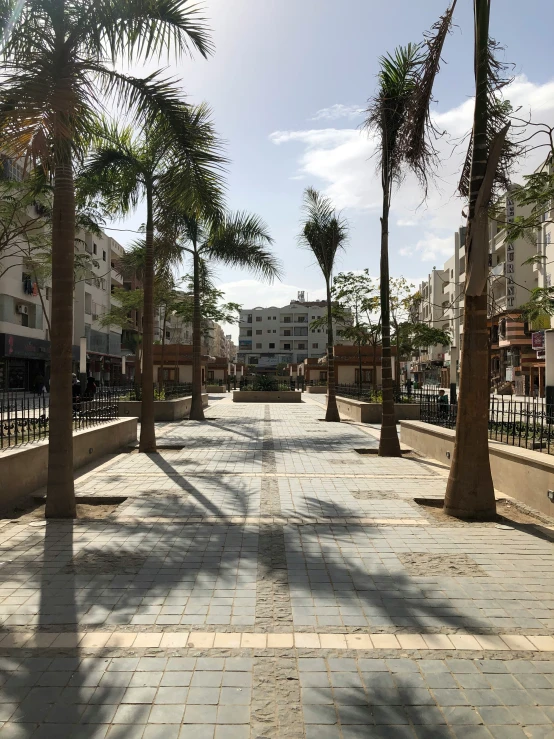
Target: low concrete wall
{"points": [[362, 412], [266, 396], [216, 388], [164, 410], [317, 389], [523, 474], [24, 469]]}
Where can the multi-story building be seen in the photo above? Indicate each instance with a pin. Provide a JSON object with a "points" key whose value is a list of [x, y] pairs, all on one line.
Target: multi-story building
{"points": [[511, 281], [270, 336], [93, 299]]}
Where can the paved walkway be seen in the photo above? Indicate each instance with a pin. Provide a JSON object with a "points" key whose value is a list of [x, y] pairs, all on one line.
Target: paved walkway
{"points": [[264, 579]]}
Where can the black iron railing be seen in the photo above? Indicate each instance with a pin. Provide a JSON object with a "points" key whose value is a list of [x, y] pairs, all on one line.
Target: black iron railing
{"points": [[26, 418], [529, 425], [167, 391], [266, 384], [370, 395]]}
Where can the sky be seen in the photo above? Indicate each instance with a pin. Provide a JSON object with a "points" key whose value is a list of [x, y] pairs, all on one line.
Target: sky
{"points": [[288, 85]]}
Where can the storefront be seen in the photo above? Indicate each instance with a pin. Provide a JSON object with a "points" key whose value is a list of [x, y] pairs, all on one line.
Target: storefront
{"points": [[24, 361]]}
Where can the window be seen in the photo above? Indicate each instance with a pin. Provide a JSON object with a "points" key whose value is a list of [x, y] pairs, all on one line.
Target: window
{"points": [[301, 346], [249, 332], [258, 318], [168, 334], [287, 332], [272, 346], [259, 332], [249, 318], [268, 330], [103, 256], [94, 248], [47, 293], [258, 346], [88, 304], [286, 346], [315, 346]]}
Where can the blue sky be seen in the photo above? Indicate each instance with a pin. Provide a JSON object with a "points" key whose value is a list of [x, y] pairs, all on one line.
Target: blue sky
{"points": [[285, 85]]}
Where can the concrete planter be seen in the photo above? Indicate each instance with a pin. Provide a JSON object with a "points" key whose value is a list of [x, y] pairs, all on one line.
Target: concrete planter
{"points": [[523, 474], [216, 388], [24, 469], [362, 412], [316, 389], [266, 396], [164, 410]]}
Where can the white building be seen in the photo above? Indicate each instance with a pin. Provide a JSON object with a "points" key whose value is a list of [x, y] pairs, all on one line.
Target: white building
{"points": [[269, 336]]}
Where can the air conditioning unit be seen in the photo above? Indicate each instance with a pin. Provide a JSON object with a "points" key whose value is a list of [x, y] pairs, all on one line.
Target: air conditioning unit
{"points": [[23, 309], [95, 316]]}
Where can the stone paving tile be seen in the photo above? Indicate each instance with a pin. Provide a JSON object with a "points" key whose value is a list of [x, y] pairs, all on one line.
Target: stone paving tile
{"points": [[241, 591]]}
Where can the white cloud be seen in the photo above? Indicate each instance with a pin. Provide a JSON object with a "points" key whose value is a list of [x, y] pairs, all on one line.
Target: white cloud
{"points": [[430, 247], [342, 160], [333, 112]]}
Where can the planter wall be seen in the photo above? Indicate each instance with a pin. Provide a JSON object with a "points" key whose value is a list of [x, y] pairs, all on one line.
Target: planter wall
{"points": [[164, 410], [266, 396], [362, 412], [521, 473], [216, 388], [316, 389], [24, 469]]}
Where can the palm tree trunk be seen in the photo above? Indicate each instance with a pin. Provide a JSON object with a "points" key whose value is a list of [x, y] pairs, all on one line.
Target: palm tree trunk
{"points": [[147, 441], [162, 362], [332, 413], [389, 445], [375, 366], [359, 369], [60, 492], [138, 364], [196, 409], [470, 490]]}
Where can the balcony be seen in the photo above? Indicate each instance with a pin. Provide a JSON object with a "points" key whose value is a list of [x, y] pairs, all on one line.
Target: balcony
{"points": [[499, 270]]}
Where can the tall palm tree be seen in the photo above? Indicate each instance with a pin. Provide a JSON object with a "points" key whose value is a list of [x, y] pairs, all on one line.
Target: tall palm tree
{"points": [[234, 239], [398, 115], [155, 166], [324, 232], [470, 489], [57, 62]]}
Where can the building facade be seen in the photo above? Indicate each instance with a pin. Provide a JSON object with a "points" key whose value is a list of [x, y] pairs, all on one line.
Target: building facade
{"points": [[271, 336]]}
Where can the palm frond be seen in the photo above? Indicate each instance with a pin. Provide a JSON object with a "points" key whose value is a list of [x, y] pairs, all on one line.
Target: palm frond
{"points": [[324, 231], [241, 240], [420, 152]]}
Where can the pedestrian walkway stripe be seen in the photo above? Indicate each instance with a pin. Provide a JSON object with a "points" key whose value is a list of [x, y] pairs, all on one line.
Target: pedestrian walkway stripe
{"points": [[299, 640]]}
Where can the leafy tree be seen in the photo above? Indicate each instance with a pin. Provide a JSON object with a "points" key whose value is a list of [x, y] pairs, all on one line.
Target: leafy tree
{"points": [[470, 490], [58, 62], [124, 168], [233, 239], [398, 115], [325, 232]]}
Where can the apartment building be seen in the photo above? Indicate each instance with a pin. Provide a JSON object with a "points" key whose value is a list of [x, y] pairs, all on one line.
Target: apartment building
{"points": [[269, 336], [510, 283], [25, 314]]}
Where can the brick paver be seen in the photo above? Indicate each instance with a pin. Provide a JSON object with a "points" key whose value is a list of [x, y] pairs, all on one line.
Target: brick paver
{"points": [[266, 580]]}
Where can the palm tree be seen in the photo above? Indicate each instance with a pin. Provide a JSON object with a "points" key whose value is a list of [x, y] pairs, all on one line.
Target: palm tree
{"points": [[124, 169], [470, 490], [398, 115], [57, 62], [233, 239], [324, 232]]}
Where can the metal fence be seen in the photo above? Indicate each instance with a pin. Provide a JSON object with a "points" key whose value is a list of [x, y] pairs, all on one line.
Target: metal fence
{"points": [[167, 391], [371, 395], [24, 419], [266, 384], [528, 425]]}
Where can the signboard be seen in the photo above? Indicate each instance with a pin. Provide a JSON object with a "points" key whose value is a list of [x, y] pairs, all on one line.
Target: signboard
{"points": [[537, 340]]}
